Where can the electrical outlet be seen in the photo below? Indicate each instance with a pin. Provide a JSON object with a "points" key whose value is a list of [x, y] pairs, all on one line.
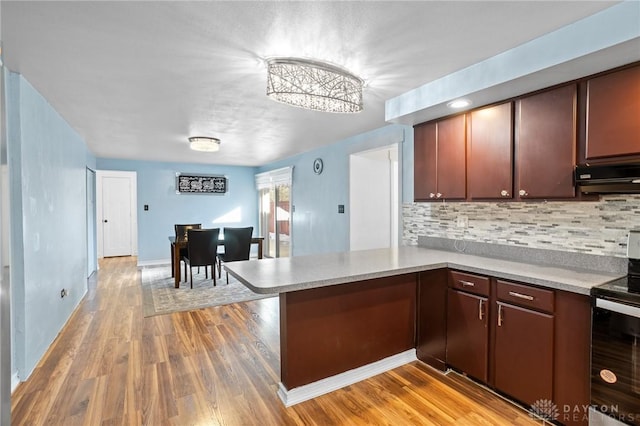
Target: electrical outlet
{"points": [[462, 222]]}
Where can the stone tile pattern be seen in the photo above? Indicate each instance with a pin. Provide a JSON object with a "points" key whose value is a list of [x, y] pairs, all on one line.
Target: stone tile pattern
{"points": [[594, 227]]}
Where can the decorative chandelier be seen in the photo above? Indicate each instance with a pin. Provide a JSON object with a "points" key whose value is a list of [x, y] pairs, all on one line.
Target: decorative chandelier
{"points": [[313, 85], [203, 143]]}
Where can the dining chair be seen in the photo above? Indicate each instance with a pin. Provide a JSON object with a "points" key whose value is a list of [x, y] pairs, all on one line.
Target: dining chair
{"points": [[202, 247], [181, 235], [237, 245]]}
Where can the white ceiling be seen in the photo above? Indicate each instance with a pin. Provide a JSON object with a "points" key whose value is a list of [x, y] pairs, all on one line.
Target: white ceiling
{"points": [[136, 79]]}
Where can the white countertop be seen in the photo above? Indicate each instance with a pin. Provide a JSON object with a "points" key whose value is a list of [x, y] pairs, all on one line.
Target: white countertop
{"points": [[273, 276]]}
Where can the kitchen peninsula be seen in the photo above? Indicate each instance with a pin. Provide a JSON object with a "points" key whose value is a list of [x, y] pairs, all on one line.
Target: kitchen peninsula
{"points": [[347, 316]]}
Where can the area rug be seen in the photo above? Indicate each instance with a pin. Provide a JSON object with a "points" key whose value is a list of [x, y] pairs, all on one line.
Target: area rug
{"points": [[161, 297]]}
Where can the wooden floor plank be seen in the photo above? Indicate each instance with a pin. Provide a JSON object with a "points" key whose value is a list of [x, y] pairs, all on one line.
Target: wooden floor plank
{"points": [[216, 366]]}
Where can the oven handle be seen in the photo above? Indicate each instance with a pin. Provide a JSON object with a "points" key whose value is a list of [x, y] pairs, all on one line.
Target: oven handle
{"points": [[620, 308]]}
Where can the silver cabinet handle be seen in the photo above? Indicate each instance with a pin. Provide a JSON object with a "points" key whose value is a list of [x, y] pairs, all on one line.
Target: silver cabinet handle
{"points": [[499, 315], [504, 193], [520, 295], [523, 193], [480, 310], [466, 283], [431, 195], [438, 195]]}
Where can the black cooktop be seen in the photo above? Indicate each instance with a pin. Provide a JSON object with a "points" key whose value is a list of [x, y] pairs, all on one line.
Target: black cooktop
{"points": [[619, 290]]}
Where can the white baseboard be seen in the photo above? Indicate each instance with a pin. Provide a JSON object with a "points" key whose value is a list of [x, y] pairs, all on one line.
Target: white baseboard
{"points": [[312, 390], [142, 264], [15, 381]]}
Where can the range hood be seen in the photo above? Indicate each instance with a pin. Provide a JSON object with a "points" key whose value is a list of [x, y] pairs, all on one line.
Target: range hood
{"points": [[609, 179]]}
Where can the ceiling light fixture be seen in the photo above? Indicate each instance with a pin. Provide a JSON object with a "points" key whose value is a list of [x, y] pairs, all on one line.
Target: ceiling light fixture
{"points": [[313, 85], [459, 103], [203, 143]]}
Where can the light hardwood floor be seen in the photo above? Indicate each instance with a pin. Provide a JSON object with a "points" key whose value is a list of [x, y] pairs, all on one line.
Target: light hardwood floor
{"points": [[216, 366]]}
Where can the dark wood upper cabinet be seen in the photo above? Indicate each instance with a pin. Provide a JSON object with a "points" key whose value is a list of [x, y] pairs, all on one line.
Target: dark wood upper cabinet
{"points": [[546, 144], [613, 115], [425, 162], [439, 160], [452, 167], [490, 152]]}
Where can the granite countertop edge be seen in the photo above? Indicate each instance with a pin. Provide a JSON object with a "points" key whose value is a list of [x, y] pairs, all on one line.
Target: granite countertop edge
{"points": [[252, 273]]}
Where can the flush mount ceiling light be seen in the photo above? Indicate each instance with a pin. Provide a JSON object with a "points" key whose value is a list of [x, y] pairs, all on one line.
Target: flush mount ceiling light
{"points": [[459, 103], [203, 143], [313, 85]]}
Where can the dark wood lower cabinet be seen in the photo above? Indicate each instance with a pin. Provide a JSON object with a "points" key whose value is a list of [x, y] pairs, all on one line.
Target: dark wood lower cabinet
{"points": [[572, 357], [524, 354], [329, 330], [468, 334], [432, 318], [529, 343]]}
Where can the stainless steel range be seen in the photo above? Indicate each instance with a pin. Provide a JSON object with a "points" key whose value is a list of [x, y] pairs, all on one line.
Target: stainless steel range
{"points": [[615, 344]]}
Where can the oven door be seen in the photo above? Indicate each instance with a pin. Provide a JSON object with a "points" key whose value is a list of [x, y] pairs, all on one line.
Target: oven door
{"points": [[615, 360]]}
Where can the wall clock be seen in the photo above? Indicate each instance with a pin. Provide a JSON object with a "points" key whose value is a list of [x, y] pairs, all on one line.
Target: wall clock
{"points": [[317, 166]]}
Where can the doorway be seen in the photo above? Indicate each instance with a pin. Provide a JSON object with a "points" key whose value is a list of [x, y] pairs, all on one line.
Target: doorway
{"points": [[92, 254], [274, 190], [116, 213], [374, 188]]}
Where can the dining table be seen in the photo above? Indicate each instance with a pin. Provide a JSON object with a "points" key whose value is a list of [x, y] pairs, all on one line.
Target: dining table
{"points": [[177, 244]]}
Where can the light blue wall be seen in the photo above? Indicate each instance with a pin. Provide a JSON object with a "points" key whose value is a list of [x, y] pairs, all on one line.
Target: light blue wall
{"points": [[157, 188], [317, 226], [47, 163]]}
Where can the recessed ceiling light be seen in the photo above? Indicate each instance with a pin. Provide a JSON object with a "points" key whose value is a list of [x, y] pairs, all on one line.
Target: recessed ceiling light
{"points": [[459, 103]]}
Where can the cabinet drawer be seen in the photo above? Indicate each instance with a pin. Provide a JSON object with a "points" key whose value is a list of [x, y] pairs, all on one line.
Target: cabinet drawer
{"points": [[524, 295], [476, 284]]}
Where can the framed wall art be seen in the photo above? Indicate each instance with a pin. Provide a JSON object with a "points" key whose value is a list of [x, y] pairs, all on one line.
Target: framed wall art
{"points": [[201, 184]]}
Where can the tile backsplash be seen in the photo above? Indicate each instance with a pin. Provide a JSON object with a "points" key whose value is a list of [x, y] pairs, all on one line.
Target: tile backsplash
{"points": [[596, 227]]}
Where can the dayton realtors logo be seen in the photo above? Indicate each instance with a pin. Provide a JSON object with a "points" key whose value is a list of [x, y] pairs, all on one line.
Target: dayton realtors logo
{"points": [[545, 409]]}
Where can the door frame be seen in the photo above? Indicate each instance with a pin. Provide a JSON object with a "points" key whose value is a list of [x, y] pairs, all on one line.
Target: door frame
{"points": [[92, 223], [394, 195], [100, 174]]}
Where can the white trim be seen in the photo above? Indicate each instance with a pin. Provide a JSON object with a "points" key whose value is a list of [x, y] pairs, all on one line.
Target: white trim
{"points": [[283, 176], [321, 387], [15, 381]]}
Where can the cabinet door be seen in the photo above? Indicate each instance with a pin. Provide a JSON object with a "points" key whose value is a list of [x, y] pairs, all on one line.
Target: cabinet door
{"points": [[546, 144], [452, 168], [613, 108], [490, 152], [432, 318], [467, 333], [524, 353], [424, 161]]}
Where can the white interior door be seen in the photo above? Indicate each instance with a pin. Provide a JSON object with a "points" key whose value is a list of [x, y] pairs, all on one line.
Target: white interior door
{"points": [[373, 199], [117, 196]]}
